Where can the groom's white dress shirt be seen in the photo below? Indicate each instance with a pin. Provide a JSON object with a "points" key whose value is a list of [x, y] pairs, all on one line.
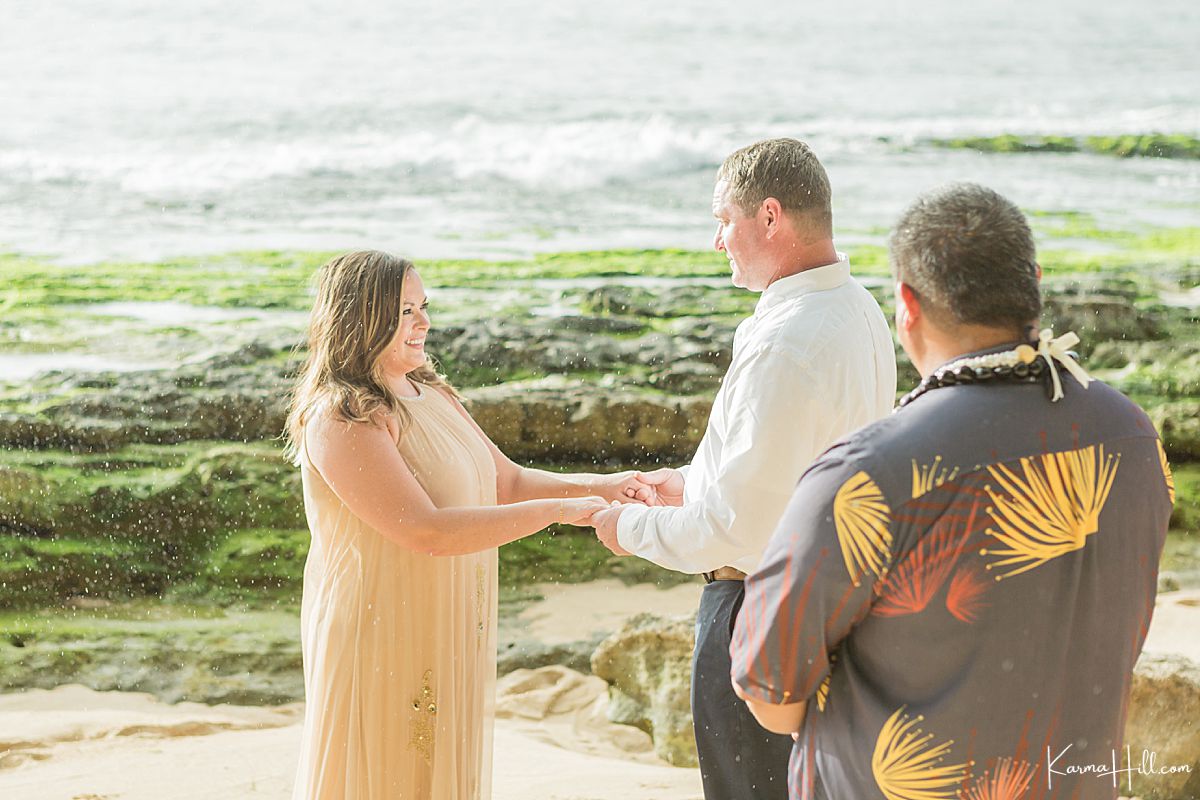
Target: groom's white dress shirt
{"points": [[813, 363]]}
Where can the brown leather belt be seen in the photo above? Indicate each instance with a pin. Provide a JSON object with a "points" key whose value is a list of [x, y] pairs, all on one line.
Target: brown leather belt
{"points": [[724, 574]]}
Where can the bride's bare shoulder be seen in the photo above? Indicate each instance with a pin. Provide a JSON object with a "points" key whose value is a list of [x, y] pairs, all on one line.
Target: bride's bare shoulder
{"points": [[328, 423]]}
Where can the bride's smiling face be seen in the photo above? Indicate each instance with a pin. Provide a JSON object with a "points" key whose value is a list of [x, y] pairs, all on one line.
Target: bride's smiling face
{"points": [[406, 351]]}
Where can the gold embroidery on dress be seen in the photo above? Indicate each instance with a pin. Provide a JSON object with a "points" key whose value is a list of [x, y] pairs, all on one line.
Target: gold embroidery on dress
{"points": [[480, 597], [1050, 509], [423, 719], [927, 478]]}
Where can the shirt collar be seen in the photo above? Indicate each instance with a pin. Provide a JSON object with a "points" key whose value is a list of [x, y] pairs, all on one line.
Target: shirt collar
{"points": [[817, 279]]}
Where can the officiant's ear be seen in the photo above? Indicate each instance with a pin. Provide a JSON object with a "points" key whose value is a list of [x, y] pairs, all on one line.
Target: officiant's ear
{"points": [[908, 306]]}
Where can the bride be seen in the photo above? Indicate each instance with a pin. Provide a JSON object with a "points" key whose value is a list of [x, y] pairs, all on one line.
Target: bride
{"points": [[407, 500]]}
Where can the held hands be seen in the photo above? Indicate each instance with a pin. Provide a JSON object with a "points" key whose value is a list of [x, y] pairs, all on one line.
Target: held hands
{"points": [[605, 523], [596, 512], [623, 487], [579, 510], [662, 487]]}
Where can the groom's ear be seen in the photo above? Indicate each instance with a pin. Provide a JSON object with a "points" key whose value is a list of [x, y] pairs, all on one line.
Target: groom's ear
{"points": [[771, 212]]}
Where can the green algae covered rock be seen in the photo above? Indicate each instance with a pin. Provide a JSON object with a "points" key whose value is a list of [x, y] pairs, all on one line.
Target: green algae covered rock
{"points": [[559, 419], [1150, 145], [1178, 424], [135, 521], [1099, 309], [228, 657]]}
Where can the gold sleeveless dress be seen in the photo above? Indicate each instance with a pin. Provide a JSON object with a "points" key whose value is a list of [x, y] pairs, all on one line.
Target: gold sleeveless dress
{"points": [[400, 647]]}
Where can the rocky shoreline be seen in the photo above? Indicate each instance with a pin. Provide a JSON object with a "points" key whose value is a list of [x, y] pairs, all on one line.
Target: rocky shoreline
{"points": [[151, 533], [170, 482]]}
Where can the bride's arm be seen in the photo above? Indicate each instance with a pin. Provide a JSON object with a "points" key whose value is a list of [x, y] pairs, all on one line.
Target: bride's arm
{"points": [[515, 484], [360, 463]]}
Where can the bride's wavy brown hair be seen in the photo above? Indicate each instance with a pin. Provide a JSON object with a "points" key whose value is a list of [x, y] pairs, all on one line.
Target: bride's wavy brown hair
{"points": [[354, 317]]}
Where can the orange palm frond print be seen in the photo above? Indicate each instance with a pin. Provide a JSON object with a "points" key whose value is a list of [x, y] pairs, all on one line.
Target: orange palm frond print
{"points": [[861, 517], [1166, 468], [929, 477], [1050, 509], [916, 579], [964, 599], [908, 766], [1007, 781]]}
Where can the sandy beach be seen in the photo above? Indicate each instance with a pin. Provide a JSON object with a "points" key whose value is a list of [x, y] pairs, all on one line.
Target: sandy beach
{"points": [[553, 741], [77, 744]]}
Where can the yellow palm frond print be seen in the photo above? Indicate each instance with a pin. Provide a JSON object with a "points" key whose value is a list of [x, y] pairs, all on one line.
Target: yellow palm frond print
{"points": [[1050, 509], [908, 766], [861, 517], [930, 476], [823, 692], [823, 689], [1166, 468]]}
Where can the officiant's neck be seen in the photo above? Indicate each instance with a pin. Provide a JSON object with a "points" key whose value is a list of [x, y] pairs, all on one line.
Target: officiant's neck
{"points": [[935, 346]]}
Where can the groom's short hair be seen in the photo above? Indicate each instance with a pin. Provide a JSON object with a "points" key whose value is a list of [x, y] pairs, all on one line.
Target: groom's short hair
{"points": [[968, 253], [786, 169]]}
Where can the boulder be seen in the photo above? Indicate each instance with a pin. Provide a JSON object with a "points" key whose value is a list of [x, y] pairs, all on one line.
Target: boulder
{"points": [[559, 419], [541, 693], [688, 377], [599, 324], [242, 395], [625, 301], [565, 708], [1164, 719], [1157, 371], [1099, 309], [648, 666], [526, 654], [1179, 425], [496, 350], [249, 659], [234, 396]]}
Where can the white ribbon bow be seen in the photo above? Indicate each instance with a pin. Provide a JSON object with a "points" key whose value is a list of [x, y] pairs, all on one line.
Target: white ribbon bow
{"points": [[1052, 350]]}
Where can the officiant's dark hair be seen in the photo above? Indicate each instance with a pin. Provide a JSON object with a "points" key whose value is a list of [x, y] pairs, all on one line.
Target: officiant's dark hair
{"points": [[969, 255], [355, 316]]}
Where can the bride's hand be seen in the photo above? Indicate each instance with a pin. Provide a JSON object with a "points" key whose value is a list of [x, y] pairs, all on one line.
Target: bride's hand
{"points": [[578, 510], [624, 487]]}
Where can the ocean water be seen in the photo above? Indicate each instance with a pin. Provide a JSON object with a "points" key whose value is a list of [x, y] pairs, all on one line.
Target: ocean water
{"points": [[142, 129]]}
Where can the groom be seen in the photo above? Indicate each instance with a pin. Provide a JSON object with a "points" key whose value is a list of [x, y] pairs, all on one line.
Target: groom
{"points": [[814, 362]]}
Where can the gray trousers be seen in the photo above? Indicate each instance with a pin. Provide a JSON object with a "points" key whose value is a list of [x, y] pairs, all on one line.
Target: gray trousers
{"points": [[739, 759]]}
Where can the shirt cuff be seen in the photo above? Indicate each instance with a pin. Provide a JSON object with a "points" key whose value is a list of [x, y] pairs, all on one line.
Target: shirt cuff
{"points": [[629, 527]]}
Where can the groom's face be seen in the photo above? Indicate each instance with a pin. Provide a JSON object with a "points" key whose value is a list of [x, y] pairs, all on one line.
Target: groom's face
{"points": [[738, 238]]}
